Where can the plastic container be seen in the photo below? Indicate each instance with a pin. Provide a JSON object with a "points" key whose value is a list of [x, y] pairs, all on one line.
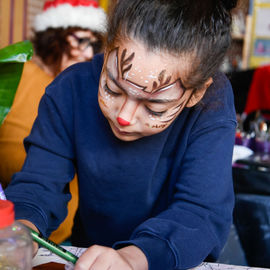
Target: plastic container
{"points": [[15, 241]]}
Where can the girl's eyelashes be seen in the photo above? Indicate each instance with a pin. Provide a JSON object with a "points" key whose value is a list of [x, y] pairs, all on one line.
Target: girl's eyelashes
{"points": [[111, 92], [108, 90], [155, 113]]}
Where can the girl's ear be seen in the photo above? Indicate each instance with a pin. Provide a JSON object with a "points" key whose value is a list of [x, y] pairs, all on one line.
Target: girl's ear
{"points": [[198, 95]]}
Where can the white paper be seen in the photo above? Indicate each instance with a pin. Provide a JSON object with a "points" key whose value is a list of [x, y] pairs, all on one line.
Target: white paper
{"points": [[45, 256], [220, 266]]}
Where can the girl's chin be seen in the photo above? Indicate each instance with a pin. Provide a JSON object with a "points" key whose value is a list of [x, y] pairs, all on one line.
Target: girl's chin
{"points": [[124, 136]]}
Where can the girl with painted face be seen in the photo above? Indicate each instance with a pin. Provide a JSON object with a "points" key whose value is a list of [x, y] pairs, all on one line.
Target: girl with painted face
{"points": [[149, 128]]}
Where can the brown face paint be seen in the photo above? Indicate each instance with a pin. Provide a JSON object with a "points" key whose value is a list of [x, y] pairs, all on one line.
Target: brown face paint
{"points": [[102, 102], [162, 83], [125, 63], [125, 67], [119, 76], [173, 115], [156, 126], [142, 91]]}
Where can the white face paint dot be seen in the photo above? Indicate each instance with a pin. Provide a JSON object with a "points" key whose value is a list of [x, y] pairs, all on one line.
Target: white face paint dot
{"points": [[151, 117]]}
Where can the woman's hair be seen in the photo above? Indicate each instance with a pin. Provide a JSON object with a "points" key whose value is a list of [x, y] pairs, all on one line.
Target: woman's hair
{"points": [[51, 44], [200, 29]]}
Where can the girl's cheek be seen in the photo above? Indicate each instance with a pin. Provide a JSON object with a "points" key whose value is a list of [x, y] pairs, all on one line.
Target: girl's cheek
{"points": [[106, 99], [102, 102]]}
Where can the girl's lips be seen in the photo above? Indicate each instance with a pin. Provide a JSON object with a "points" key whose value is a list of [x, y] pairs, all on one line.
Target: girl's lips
{"points": [[121, 132]]}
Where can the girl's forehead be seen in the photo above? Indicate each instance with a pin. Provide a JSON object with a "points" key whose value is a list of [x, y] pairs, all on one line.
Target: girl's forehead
{"points": [[148, 69]]}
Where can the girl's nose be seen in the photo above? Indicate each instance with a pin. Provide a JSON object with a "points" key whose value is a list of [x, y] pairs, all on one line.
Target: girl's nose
{"points": [[122, 122], [127, 112]]}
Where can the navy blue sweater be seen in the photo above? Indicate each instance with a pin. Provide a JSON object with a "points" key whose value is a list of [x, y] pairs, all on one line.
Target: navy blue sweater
{"points": [[170, 194]]}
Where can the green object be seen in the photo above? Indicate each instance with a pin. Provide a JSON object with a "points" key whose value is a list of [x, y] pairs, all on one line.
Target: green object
{"points": [[12, 59], [54, 248]]}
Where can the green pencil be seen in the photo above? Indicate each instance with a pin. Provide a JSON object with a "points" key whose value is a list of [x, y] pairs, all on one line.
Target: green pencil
{"points": [[50, 245], [54, 248]]}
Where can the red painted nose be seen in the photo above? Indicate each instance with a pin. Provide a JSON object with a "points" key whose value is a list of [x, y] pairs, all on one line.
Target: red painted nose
{"points": [[122, 122]]}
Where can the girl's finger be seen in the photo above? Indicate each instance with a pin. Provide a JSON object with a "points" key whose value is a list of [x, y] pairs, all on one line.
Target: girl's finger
{"points": [[87, 259]]}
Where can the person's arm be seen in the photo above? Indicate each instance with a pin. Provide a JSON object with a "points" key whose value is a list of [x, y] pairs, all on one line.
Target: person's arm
{"points": [[40, 190]]}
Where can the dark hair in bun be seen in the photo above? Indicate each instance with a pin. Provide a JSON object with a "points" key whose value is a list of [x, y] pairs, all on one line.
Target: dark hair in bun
{"points": [[230, 4], [200, 29]]}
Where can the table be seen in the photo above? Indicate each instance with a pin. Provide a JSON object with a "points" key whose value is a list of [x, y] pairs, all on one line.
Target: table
{"points": [[53, 262], [203, 266]]}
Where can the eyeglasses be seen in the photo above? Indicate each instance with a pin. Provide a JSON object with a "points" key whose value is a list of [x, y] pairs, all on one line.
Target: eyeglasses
{"points": [[85, 42]]}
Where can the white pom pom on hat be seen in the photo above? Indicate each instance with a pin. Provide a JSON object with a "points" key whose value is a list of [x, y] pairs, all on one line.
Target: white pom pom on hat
{"points": [[71, 13]]}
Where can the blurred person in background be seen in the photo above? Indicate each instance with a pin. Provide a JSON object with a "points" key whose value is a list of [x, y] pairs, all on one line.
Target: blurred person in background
{"points": [[64, 33]]}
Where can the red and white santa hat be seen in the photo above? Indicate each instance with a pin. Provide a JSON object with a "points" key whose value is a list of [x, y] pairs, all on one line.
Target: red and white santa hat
{"points": [[71, 13]]}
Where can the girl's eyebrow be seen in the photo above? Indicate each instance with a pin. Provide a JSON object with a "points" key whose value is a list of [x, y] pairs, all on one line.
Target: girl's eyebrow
{"points": [[118, 85], [152, 100]]}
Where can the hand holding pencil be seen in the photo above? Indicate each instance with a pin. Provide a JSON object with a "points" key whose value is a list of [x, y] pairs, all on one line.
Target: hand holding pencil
{"points": [[40, 240]]}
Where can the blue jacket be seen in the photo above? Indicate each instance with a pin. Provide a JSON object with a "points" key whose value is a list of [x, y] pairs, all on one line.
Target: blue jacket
{"points": [[170, 194]]}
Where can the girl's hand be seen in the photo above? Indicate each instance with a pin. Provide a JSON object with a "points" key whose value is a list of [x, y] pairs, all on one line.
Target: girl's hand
{"points": [[33, 227], [104, 258]]}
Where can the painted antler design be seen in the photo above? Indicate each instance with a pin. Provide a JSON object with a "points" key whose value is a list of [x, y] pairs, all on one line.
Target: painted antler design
{"points": [[125, 63], [125, 67], [161, 81]]}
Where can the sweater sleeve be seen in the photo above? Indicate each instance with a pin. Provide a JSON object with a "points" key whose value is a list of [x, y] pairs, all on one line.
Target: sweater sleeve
{"points": [[40, 190], [197, 222]]}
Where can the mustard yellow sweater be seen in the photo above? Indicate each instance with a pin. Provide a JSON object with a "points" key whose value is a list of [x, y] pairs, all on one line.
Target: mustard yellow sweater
{"points": [[17, 126]]}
